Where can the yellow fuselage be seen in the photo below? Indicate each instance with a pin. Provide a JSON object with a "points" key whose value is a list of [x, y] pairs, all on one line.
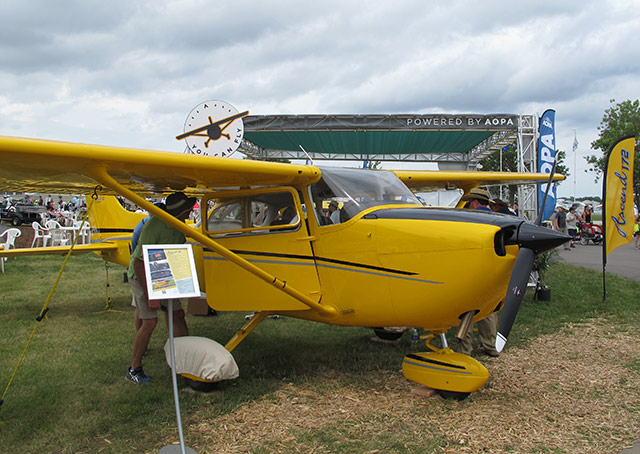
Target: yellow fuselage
{"points": [[374, 271]]}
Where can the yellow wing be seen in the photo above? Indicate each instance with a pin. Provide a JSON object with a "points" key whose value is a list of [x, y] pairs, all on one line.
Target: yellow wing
{"points": [[421, 179], [30, 165], [104, 247]]}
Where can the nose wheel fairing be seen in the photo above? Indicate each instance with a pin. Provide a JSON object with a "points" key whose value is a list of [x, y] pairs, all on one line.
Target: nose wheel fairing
{"points": [[445, 370]]}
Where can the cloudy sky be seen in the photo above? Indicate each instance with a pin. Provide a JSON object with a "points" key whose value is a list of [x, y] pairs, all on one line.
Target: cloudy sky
{"points": [[126, 73]]}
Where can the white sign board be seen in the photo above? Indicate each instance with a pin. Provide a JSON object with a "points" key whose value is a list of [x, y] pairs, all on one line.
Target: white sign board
{"points": [[171, 271]]}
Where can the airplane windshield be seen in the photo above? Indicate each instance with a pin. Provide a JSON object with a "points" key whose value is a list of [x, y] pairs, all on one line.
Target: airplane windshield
{"points": [[342, 193]]}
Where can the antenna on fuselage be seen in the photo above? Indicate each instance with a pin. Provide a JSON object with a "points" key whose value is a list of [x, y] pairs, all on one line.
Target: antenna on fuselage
{"points": [[305, 152]]}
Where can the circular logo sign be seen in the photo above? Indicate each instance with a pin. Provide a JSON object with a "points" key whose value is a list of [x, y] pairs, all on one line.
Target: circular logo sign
{"points": [[213, 128]]}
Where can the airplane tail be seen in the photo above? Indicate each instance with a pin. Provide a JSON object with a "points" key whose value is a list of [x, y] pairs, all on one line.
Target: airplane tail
{"points": [[110, 221]]}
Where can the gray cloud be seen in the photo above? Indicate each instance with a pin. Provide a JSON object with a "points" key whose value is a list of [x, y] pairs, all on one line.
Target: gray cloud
{"points": [[127, 73]]}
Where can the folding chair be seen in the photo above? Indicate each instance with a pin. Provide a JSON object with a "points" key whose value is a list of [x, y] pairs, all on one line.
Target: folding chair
{"points": [[40, 233], [8, 243]]}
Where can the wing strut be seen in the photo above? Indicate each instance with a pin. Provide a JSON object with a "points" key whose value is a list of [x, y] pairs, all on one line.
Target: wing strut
{"points": [[102, 176]]}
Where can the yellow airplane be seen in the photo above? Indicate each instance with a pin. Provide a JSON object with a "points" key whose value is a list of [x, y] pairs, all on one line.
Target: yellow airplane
{"points": [[266, 245]]}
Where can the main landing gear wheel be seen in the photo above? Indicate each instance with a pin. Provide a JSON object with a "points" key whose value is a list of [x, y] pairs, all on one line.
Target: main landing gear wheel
{"points": [[201, 386], [452, 395], [384, 334]]}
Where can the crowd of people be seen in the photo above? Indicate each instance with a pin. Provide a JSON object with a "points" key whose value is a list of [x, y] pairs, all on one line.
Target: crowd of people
{"points": [[569, 221]]}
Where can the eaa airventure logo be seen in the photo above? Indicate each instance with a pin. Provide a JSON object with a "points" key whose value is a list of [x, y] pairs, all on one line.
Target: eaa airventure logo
{"points": [[489, 122]]}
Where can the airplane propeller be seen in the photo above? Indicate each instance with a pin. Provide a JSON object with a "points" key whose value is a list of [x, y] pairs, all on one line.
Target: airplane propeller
{"points": [[515, 293], [532, 241]]}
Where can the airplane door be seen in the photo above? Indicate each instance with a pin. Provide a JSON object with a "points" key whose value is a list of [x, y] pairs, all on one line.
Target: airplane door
{"points": [[266, 227]]}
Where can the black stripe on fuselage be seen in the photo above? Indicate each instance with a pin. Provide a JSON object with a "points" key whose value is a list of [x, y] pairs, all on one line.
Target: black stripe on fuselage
{"points": [[105, 230], [322, 259]]}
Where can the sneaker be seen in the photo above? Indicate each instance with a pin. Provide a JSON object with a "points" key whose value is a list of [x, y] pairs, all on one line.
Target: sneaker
{"points": [[489, 352], [137, 375]]}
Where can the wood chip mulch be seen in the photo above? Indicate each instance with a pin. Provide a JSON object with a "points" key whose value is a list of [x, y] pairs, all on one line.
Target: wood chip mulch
{"points": [[575, 391]]}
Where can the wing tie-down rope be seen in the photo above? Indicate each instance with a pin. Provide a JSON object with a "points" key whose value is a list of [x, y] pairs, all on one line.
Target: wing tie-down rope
{"points": [[45, 308]]}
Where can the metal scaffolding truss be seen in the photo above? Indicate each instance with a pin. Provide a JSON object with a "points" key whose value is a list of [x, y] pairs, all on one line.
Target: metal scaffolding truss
{"points": [[256, 152], [494, 143], [527, 155]]}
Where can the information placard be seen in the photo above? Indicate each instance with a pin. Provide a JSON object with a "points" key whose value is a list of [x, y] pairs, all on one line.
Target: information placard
{"points": [[171, 271]]}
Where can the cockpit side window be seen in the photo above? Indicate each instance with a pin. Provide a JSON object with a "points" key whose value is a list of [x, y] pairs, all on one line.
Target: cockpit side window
{"points": [[253, 213]]}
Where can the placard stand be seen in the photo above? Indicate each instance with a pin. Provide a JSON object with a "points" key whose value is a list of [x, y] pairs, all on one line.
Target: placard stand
{"points": [[171, 273], [181, 448]]}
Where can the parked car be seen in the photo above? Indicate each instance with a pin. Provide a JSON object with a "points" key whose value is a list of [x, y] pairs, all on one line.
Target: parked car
{"points": [[21, 213]]}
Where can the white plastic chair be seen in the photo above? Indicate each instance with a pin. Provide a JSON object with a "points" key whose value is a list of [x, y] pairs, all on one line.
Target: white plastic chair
{"points": [[8, 242], [83, 230], [59, 236], [40, 233]]}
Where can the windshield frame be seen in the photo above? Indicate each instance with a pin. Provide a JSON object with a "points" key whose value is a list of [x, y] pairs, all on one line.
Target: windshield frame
{"points": [[355, 190]]}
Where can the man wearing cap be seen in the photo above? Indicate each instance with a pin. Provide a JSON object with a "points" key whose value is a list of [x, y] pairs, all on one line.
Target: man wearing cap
{"points": [[500, 206], [480, 199], [155, 231], [572, 223]]}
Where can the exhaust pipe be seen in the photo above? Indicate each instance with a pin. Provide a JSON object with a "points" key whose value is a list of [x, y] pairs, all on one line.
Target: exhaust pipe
{"points": [[466, 320]]}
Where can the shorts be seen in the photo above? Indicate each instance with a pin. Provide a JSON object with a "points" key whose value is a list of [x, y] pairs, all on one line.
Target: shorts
{"points": [[142, 304]]}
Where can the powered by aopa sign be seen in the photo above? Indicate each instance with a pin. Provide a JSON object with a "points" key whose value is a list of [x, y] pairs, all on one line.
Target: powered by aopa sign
{"points": [[461, 122]]}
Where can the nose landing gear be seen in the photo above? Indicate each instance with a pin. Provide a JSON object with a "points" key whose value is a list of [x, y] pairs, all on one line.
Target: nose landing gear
{"points": [[453, 375]]}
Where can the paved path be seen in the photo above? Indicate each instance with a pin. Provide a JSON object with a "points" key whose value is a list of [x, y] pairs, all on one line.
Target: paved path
{"points": [[623, 261]]}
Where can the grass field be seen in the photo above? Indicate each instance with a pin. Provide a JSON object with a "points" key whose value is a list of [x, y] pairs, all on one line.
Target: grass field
{"points": [[317, 386]]}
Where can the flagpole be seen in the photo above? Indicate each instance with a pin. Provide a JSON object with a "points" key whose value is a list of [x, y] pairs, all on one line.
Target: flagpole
{"points": [[575, 165], [604, 230]]}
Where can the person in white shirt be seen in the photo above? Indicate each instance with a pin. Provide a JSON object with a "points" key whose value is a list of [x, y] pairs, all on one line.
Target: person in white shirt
{"points": [[334, 212], [572, 223]]}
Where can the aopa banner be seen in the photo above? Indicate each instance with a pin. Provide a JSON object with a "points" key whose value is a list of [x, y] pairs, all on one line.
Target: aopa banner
{"points": [[546, 158]]}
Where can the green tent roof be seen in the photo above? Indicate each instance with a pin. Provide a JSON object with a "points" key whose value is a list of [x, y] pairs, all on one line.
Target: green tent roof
{"points": [[369, 142], [425, 137]]}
